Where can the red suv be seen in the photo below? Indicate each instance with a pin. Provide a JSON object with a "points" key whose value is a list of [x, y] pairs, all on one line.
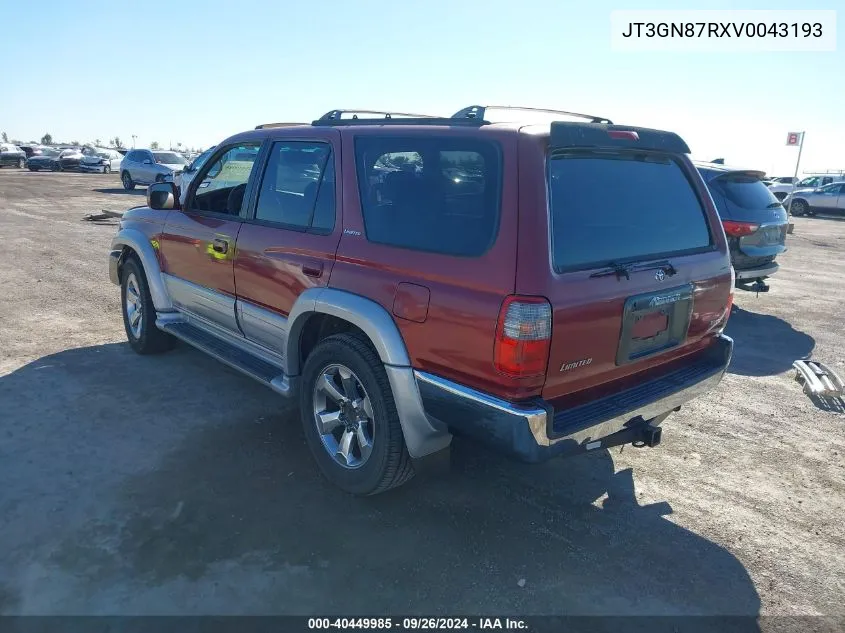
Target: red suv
{"points": [[545, 289]]}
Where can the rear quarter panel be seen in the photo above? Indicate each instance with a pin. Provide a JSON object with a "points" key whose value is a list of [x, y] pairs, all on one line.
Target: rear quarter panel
{"points": [[455, 339]]}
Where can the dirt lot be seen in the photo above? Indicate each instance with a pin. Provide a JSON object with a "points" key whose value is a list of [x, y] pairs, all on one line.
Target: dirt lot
{"points": [[171, 484]]}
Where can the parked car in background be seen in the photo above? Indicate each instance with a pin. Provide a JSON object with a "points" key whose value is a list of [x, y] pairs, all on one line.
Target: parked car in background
{"points": [[32, 150], [12, 156], [814, 181], [827, 199], [70, 158], [566, 298], [183, 179], [146, 166], [100, 160], [754, 220], [789, 180], [47, 159]]}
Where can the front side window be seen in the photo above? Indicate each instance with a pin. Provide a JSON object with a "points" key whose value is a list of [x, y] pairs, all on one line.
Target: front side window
{"points": [[621, 206], [430, 194], [813, 181], [298, 186], [222, 184]]}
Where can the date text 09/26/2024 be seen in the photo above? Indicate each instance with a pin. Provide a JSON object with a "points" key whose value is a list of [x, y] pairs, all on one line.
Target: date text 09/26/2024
{"points": [[417, 624]]}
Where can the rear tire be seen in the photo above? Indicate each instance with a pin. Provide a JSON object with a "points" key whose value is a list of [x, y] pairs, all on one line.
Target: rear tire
{"points": [[22, 163], [139, 313], [800, 207], [33, 169], [126, 179], [386, 463]]}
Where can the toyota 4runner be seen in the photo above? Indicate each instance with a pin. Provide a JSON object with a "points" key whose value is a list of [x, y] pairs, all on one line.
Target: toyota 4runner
{"points": [[545, 289]]}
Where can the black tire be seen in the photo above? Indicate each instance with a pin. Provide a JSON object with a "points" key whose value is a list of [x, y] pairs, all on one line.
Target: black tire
{"points": [[55, 167], [22, 163], [33, 169], [59, 167], [800, 207], [149, 340], [107, 169], [126, 179], [389, 464]]}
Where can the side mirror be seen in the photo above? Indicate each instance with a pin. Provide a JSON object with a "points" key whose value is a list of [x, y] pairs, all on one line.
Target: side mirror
{"points": [[163, 196], [147, 161]]}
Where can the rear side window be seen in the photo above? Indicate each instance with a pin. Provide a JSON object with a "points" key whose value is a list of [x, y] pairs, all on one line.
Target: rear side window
{"points": [[616, 207], [430, 194], [745, 191], [298, 187]]}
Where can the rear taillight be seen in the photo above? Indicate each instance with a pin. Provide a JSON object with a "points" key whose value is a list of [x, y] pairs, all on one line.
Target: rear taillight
{"points": [[739, 229], [523, 336]]}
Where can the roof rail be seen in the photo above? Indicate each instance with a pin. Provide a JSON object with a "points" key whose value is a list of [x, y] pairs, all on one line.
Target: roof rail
{"points": [[477, 112], [335, 117], [264, 126]]}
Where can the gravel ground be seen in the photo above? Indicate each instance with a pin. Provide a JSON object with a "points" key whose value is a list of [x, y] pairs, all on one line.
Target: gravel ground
{"points": [[173, 485]]}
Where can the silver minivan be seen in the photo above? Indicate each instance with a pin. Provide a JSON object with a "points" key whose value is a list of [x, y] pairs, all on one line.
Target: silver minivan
{"points": [[146, 166]]}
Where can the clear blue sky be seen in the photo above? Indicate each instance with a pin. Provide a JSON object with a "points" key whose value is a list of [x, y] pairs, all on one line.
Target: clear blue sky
{"points": [[196, 72]]}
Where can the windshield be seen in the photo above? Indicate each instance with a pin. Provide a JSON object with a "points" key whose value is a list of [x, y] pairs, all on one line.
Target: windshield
{"points": [[613, 207], [170, 158], [815, 181], [69, 152], [49, 151]]}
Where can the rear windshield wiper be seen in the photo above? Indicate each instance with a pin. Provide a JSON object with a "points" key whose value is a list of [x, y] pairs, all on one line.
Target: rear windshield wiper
{"points": [[664, 264], [621, 270], [613, 269]]}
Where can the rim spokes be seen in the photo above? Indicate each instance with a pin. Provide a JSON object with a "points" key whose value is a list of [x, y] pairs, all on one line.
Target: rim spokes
{"points": [[328, 386], [344, 447], [329, 421]]}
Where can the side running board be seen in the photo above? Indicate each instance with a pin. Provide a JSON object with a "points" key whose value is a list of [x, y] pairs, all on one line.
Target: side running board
{"points": [[818, 379], [235, 357]]}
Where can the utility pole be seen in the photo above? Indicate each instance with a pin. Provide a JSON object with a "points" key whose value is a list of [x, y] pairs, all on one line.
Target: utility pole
{"points": [[795, 138], [133, 141]]}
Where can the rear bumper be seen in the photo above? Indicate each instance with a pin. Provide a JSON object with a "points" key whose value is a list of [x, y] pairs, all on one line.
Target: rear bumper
{"points": [[754, 273], [534, 432]]}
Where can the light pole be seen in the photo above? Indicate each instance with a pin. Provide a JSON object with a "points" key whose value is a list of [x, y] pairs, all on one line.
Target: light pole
{"points": [[133, 141]]}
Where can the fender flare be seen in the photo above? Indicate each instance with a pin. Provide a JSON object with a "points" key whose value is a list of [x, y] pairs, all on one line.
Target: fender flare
{"points": [[140, 243], [423, 435], [364, 313]]}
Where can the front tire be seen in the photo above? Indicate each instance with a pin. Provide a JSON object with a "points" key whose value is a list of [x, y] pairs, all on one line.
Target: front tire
{"points": [[107, 169], [139, 313], [22, 163], [126, 179], [349, 417]]}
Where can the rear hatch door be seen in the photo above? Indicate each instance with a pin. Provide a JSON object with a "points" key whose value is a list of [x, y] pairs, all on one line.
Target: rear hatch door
{"points": [[639, 268], [742, 199]]}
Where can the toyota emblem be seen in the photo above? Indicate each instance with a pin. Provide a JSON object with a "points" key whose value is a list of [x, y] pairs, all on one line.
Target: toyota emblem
{"points": [[660, 275]]}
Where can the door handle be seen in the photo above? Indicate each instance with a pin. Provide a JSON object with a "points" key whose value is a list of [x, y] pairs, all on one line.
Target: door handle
{"points": [[220, 245], [313, 269]]}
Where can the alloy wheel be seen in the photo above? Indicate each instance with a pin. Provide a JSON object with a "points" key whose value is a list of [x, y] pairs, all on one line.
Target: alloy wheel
{"points": [[344, 417], [134, 306]]}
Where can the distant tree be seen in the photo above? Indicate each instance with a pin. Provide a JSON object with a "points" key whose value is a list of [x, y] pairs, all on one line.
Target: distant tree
{"points": [[74, 142], [5, 137], [97, 142], [117, 142], [154, 145], [47, 139]]}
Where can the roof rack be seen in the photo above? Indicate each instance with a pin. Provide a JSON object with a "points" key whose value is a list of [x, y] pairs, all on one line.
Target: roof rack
{"points": [[477, 112], [264, 126], [335, 117]]}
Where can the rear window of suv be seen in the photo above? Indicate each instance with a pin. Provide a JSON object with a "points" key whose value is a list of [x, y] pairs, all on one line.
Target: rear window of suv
{"points": [[430, 194], [617, 207], [745, 191]]}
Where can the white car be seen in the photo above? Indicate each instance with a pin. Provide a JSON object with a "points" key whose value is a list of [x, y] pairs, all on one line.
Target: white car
{"points": [[814, 181], [100, 160]]}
